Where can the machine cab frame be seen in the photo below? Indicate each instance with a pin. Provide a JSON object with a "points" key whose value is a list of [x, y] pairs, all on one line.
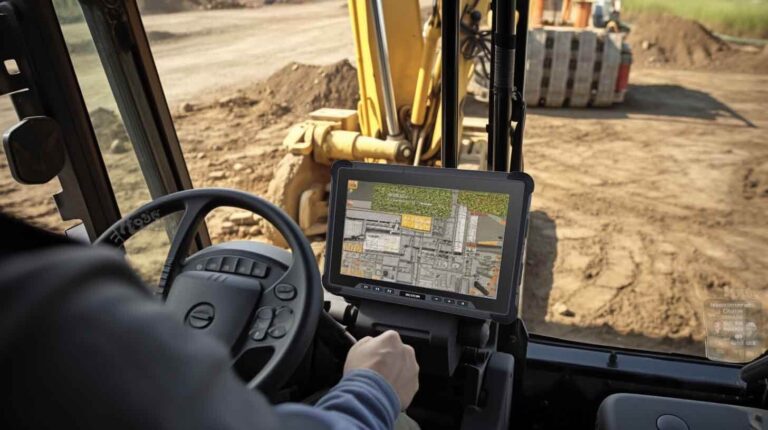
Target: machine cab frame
{"points": [[540, 381]]}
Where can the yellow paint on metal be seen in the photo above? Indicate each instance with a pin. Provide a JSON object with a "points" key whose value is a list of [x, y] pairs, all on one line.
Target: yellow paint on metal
{"points": [[424, 81], [466, 68], [415, 62], [403, 22]]}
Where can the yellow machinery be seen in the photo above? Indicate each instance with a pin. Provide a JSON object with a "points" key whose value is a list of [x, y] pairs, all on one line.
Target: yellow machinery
{"points": [[398, 118]]}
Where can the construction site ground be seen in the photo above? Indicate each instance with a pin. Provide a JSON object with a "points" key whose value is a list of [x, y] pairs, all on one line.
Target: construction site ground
{"points": [[641, 213]]}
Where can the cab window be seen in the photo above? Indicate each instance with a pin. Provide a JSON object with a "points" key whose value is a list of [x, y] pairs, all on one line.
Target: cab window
{"points": [[648, 221], [647, 215]]}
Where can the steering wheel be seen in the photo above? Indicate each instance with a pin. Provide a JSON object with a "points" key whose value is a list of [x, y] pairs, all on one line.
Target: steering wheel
{"points": [[268, 327]]}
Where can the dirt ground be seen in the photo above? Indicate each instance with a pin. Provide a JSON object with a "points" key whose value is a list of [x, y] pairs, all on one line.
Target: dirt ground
{"points": [[641, 213], [644, 212]]}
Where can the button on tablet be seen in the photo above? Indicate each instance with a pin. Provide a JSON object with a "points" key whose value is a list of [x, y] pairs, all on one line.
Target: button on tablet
{"points": [[450, 301]]}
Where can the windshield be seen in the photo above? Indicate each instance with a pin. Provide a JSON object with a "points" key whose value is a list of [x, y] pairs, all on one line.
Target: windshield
{"points": [[645, 136], [649, 213]]}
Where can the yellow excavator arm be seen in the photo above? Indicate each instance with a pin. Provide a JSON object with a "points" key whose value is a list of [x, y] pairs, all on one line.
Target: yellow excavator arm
{"points": [[398, 114]]}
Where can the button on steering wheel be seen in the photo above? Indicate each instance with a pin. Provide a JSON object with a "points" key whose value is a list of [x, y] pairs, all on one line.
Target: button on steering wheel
{"points": [[277, 321]]}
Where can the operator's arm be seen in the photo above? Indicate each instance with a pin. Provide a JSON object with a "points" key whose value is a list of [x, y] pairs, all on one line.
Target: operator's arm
{"points": [[82, 345], [362, 400], [380, 380]]}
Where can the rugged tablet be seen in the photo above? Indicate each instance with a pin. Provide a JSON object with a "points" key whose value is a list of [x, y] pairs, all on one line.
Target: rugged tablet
{"points": [[446, 240]]}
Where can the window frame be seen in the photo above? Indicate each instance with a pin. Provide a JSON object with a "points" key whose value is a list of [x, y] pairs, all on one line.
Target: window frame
{"points": [[123, 49], [51, 89]]}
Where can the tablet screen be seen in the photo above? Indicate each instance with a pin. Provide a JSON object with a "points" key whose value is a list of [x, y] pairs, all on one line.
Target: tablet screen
{"points": [[434, 238]]}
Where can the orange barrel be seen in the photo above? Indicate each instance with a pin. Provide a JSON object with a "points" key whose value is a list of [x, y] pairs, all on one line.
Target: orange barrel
{"points": [[537, 13], [581, 14], [622, 81]]}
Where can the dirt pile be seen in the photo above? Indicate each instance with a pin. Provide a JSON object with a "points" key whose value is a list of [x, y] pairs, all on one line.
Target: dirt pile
{"points": [[171, 6], [659, 40], [295, 89], [673, 40], [235, 140], [110, 132], [306, 88]]}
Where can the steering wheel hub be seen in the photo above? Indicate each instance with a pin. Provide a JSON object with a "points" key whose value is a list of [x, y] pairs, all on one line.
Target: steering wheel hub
{"points": [[201, 315]]}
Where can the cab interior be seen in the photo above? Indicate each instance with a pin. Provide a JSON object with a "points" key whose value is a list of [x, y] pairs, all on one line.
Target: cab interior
{"points": [[476, 374]]}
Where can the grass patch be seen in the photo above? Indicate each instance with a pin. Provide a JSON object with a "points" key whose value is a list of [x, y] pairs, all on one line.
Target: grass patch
{"points": [[405, 199], [746, 18], [485, 203]]}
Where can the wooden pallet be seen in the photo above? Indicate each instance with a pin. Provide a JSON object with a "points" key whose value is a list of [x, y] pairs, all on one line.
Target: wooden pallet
{"points": [[572, 67]]}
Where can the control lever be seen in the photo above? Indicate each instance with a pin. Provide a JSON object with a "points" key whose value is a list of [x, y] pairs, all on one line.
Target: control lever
{"points": [[334, 335], [344, 313]]}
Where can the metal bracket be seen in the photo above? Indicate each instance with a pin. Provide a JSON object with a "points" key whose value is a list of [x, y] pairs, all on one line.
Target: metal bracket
{"points": [[15, 68], [34, 146], [493, 410]]}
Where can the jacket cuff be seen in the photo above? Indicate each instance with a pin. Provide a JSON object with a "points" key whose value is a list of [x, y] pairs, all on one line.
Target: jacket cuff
{"points": [[371, 377]]}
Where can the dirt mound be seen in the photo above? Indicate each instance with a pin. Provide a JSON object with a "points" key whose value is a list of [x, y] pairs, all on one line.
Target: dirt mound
{"points": [[307, 88], [108, 127], [295, 89], [236, 140], [673, 40], [171, 6], [660, 40]]}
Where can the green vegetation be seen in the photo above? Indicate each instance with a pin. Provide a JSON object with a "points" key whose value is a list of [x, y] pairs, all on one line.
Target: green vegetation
{"points": [[487, 203], [745, 18], [400, 199]]}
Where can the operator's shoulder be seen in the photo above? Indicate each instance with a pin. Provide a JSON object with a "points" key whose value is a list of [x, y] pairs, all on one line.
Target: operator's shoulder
{"points": [[59, 266], [36, 284], [40, 281]]}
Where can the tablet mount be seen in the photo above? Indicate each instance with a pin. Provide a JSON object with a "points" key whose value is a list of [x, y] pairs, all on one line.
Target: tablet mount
{"points": [[444, 344], [456, 341]]}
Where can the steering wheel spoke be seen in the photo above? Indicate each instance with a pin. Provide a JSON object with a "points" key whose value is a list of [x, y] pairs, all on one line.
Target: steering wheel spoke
{"points": [[194, 213]]}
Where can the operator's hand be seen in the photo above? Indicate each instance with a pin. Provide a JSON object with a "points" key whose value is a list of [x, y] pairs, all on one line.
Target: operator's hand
{"points": [[388, 356]]}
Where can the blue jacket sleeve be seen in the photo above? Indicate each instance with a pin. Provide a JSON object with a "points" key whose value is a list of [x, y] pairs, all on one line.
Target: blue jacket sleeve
{"points": [[362, 400]]}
